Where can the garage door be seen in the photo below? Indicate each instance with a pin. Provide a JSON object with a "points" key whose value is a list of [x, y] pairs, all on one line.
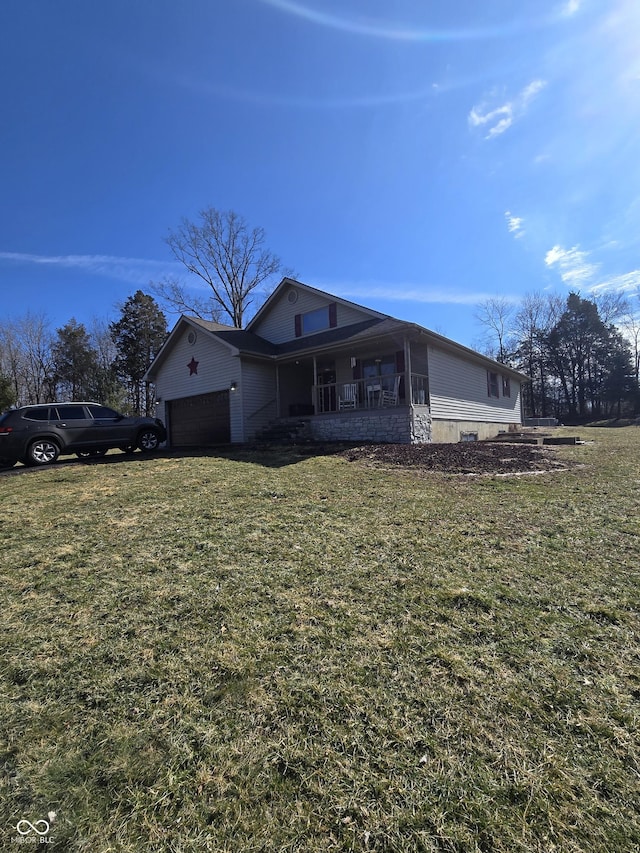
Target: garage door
{"points": [[200, 421]]}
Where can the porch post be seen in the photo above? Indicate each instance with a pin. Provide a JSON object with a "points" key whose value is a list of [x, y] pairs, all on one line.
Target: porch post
{"points": [[407, 371], [314, 390], [278, 415]]}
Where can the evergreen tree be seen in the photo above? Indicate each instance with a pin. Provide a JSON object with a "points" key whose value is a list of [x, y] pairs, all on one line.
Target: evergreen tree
{"points": [[585, 355], [74, 363], [7, 394], [138, 336]]}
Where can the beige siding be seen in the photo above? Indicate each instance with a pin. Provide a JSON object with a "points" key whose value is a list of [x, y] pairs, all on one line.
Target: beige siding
{"points": [[458, 391], [279, 324], [217, 369], [258, 390]]}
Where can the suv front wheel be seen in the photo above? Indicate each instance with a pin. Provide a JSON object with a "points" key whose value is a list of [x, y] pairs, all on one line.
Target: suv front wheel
{"points": [[148, 440], [42, 451]]}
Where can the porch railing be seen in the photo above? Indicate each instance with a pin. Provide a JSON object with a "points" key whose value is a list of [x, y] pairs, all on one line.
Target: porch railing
{"points": [[370, 393], [419, 389]]}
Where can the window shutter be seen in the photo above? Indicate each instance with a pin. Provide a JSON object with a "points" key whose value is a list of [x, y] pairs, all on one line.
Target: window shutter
{"points": [[333, 315], [400, 361], [298, 325], [357, 369]]}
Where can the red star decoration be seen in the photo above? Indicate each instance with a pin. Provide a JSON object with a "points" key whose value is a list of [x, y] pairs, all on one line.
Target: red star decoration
{"points": [[193, 366]]}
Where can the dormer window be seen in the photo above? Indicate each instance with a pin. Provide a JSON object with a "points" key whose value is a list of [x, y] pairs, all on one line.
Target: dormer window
{"points": [[316, 321]]}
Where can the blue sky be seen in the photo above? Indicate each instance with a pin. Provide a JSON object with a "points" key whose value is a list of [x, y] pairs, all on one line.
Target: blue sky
{"points": [[415, 157]]}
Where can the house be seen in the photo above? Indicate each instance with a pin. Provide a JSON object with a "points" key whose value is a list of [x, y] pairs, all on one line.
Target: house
{"points": [[346, 372]]}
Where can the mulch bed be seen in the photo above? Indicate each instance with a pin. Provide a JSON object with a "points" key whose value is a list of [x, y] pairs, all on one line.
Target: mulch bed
{"points": [[463, 458]]}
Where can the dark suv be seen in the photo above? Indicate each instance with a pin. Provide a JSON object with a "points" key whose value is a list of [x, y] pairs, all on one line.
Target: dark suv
{"points": [[37, 435]]}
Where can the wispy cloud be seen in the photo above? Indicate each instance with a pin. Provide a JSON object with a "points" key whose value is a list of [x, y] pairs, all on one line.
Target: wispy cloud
{"points": [[132, 270], [628, 282], [363, 291], [573, 264], [514, 224], [498, 117]]}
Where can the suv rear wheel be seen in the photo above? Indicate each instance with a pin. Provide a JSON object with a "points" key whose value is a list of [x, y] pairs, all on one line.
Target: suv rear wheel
{"points": [[148, 440], [42, 451]]}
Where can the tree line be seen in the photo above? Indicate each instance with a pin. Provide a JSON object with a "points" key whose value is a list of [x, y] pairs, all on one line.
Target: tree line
{"points": [[582, 355], [105, 363], [579, 363]]}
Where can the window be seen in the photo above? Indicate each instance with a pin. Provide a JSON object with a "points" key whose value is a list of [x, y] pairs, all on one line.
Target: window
{"points": [[385, 366], [103, 413], [317, 320], [39, 414], [506, 386], [492, 384], [71, 413]]}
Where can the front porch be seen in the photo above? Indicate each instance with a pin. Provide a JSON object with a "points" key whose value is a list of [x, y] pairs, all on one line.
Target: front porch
{"points": [[322, 385], [370, 393], [373, 392]]}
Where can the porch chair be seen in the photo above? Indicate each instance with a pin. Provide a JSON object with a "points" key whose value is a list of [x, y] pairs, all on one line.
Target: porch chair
{"points": [[348, 398], [390, 397]]}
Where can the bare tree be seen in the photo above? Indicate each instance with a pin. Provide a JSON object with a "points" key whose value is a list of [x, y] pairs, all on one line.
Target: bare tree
{"points": [[495, 315], [181, 300], [108, 389], [228, 256], [611, 306], [630, 325], [25, 358]]}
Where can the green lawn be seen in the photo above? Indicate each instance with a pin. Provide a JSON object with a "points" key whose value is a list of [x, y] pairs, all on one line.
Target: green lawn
{"points": [[297, 653]]}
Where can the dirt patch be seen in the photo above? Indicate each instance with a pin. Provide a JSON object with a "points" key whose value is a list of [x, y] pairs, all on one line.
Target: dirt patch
{"points": [[462, 458]]}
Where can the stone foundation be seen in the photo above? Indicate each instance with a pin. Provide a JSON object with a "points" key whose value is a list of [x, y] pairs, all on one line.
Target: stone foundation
{"points": [[402, 425]]}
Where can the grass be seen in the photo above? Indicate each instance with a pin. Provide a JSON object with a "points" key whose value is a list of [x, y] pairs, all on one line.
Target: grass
{"points": [[288, 653]]}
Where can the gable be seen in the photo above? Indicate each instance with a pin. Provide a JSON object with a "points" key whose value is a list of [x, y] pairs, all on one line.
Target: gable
{"points": [[197, 362], [295, 310]]}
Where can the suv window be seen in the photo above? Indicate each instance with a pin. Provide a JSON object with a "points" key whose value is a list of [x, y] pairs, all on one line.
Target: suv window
{"points": [[41, 413], [70, 413], [103, 412]]}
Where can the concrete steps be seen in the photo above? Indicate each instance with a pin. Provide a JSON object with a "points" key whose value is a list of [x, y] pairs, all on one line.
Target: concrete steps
{"points": [[539, 439], [285, 431]]}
